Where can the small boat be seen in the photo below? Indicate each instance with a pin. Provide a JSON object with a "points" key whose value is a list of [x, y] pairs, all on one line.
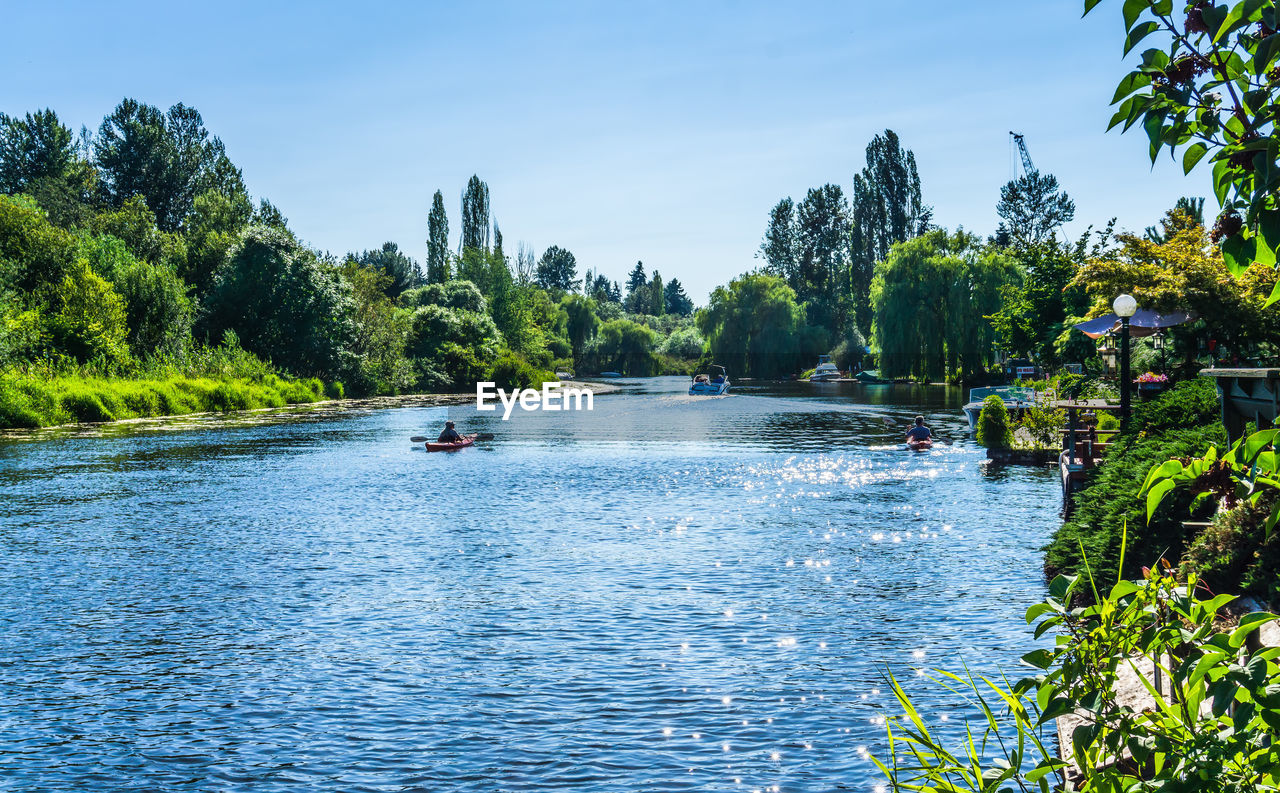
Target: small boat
{"points": [[870, 377], [611, 374], [1017, 399], [466, 441], [824, 371], [710, 385], [920, 444]]}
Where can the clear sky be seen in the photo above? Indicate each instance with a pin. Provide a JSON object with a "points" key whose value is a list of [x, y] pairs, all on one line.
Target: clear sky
{"points": [[622, 131]]}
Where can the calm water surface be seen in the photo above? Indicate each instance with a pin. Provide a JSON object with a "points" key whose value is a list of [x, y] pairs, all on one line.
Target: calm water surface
{"points": [[670, 593]]}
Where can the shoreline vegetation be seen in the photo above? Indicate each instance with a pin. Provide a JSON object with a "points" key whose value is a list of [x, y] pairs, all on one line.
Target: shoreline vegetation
{"points": [[30, 403]]}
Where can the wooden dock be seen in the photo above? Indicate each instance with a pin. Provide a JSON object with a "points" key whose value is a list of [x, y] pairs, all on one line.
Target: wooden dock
{"points": [[1081, 450]]}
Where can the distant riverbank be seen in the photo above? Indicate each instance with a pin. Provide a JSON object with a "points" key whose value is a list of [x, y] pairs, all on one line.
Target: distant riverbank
{"points": [[28, 402]]}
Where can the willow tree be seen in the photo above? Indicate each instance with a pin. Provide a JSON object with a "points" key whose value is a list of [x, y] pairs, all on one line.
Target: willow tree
{"points": [[932, 296], [755, 327]]}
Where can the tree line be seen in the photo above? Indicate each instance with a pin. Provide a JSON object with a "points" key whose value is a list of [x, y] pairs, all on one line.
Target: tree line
{"points": [[133, 247]]}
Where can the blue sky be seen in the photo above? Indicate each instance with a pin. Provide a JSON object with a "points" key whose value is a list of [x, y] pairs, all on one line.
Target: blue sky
{"points": [[662, 132]]}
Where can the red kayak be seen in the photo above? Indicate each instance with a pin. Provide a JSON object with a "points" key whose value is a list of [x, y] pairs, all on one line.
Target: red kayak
{"points": [[466, 441], [920, 445]]}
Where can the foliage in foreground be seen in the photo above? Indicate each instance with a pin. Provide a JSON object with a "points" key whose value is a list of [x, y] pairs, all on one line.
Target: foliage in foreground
{"points": [[1213, 729], [1210, 90], [1181, 423]]}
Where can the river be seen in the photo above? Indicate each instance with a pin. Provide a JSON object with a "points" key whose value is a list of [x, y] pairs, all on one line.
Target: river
{"points": [[666, 593]]}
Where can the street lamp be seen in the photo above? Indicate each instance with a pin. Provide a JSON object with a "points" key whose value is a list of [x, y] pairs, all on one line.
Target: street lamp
{"points": [[1124, 306]]}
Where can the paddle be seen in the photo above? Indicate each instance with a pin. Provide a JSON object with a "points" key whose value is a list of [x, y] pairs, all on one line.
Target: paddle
{"points": [[480, 436]]}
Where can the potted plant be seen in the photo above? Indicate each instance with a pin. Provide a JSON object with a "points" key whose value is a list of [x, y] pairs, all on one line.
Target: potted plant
{"points": [[1150, 385]]}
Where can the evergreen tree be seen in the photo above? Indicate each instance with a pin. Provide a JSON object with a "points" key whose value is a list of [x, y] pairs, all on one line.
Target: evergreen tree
{"points": [[475, 216], [674, 300], [779, 246], [401, 272], [437, 241], [887, 208], [33, 148], [557, 269], [637, 294], [1034, 207]]}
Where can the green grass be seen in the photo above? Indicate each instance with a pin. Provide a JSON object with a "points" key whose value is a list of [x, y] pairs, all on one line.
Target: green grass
{"points": [[30, 402]]}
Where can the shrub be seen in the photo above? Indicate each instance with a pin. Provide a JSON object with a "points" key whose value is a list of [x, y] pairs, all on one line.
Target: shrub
{"points": [[1110, 501], [1044, 426], [1187, 404], [1235, 553], [511, 371], [994, 431]]}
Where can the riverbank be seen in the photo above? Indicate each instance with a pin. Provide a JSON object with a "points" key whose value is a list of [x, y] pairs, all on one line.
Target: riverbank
{"points": [[59, 403]]}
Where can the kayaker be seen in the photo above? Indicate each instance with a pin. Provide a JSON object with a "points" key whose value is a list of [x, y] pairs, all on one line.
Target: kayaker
{"points": [[450, 435], [919, 432]]}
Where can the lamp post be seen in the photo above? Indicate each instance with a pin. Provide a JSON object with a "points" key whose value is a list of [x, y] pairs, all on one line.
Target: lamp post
{"points": [[1124, 306]]}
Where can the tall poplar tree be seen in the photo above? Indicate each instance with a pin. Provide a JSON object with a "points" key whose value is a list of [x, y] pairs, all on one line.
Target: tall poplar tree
{"points": [[822, 247], [475, 216], [437, 241], [887, 208]]}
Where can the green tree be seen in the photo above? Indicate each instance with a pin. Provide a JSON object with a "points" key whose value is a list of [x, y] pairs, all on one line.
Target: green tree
{"points": [[557, 269], [212, 229], [624, 346], [158, 312], [779, 246], [475, 216], [1033, 207], [401, 271], [38, 253], [1192, 208], [637, 293], [1034, 313], [755, 327], [932, 297], [822, 246], [581, 323], [437, 241], [284, 303], [88, 320], [167, 158], [33, 148], [886, 209], [1209, 88], [675, 300], [381, 333], [656, 300]]}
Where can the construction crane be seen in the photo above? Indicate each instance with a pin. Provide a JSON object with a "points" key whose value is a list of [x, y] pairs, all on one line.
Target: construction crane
{"points": [[1021, 141]]}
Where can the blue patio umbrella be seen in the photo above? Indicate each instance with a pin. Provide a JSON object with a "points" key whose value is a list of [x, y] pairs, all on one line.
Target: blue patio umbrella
{"points": [[1144, 322]]}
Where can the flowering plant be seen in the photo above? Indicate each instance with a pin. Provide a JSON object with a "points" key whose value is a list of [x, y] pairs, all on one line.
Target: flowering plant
{"points": [[1152, 377]]}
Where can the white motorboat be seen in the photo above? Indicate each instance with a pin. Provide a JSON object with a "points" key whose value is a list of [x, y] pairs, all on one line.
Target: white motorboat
{"points": [[710, 384], [825, 371]]}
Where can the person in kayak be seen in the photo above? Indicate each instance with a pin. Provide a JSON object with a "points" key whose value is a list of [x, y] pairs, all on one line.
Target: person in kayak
{"points": [[919, 432], [450, 435]]}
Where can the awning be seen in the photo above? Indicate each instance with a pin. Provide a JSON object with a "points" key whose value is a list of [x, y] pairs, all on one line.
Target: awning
{"points": [[1144, 322]]}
